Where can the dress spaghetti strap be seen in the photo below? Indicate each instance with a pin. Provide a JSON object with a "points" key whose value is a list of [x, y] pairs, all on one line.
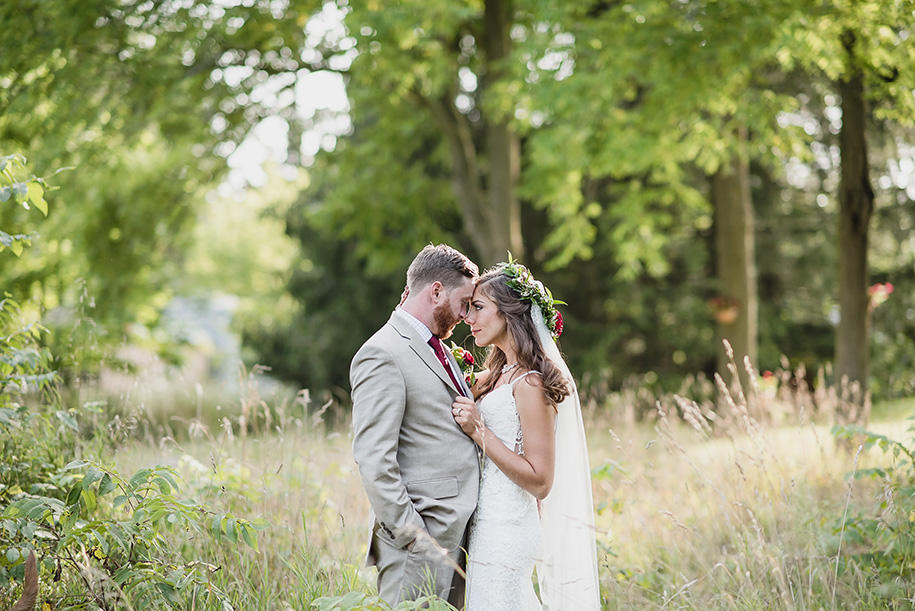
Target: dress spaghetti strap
{"points": [[522, 376]]}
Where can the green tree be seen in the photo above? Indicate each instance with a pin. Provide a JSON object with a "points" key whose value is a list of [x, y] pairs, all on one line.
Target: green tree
{"points": [[639, 126], [861, 48], [735, 259], [145, 100], [668, 91], [452, 64]]}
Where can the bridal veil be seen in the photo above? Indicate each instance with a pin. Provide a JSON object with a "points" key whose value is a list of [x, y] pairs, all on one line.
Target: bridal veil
{"points": [[567, 570]]}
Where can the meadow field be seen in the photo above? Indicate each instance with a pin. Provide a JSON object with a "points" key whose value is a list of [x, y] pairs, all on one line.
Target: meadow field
{"points": [[745, 504]]}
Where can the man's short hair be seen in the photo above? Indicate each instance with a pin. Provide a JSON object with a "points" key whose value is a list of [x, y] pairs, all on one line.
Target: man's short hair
{"points": [[440, 262]]}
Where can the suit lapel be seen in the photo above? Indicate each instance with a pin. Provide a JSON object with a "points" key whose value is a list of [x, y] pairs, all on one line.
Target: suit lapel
{"points": [[422, 349], [460, 374]]}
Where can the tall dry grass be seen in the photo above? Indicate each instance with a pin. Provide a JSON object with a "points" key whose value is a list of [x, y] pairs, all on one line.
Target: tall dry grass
{"points": [[732, 501]]}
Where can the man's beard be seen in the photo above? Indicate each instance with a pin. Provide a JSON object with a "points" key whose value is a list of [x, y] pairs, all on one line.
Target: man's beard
{"points": [[444, 320]]}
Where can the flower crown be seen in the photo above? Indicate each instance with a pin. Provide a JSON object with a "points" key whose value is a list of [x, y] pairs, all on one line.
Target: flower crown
{"points": [[522, 282]]}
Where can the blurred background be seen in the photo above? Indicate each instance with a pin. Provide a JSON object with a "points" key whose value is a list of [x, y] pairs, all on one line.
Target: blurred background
{"points": [[233, 184]]}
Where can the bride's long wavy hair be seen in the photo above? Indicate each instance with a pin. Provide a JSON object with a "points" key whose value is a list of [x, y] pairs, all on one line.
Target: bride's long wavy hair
{"points": [[517, 315]]}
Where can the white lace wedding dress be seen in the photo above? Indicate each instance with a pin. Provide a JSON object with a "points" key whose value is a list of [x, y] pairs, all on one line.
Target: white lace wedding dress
{"points": [[505, 533]]}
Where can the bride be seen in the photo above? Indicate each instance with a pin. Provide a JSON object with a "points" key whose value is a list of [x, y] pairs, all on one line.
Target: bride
{"points": [[535, 492]]}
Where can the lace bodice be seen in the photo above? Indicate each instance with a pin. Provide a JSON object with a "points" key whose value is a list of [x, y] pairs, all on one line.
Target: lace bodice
{"points": [[505, 533], [501, 416]]}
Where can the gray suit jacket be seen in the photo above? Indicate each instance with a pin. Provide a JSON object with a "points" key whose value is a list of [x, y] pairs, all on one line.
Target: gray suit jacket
{"points": [[419, 469]]}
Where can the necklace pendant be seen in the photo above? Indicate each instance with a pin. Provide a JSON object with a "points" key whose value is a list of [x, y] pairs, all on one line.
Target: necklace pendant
{"points": [[506, 368]]}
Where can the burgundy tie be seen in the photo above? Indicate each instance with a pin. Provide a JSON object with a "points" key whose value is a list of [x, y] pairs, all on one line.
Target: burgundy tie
{"points": [[436, 344]]}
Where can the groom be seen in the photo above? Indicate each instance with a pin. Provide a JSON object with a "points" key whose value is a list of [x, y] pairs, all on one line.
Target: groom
{"points": [[420, 471]]}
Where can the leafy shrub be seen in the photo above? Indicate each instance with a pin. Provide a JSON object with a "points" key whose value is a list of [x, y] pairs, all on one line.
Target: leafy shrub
{"points": [[108, 539], [882, 541], [110, 535], [111, 541]]}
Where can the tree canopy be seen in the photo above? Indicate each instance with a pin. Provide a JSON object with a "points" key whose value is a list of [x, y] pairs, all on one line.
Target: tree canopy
{"points": [[585, 138]]}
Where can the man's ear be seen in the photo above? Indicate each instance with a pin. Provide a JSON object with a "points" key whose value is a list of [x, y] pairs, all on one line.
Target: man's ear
{"points": [[436, 291]]}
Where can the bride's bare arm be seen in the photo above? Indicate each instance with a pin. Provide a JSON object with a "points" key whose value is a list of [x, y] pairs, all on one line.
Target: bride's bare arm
{"points": [[532, 470]]}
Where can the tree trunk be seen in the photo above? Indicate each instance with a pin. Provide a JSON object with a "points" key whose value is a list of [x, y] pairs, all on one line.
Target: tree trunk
{"points": [[485, 182], [737, 305], [856, 205], [504, 170], [503, 149]]}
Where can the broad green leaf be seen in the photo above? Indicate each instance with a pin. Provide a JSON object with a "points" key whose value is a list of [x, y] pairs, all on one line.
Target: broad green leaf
{"points": [[28, 529], [107, 485], [36, 196], [103, 542], [260, 523], [75, 492], [68, 419], [163, 485], [93, 474], [228, 526], [139, 478], [249, 535], [88, 499]]}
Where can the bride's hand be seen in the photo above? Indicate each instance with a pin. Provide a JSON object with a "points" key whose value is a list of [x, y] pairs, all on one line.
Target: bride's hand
{"points": [[467, 416]]}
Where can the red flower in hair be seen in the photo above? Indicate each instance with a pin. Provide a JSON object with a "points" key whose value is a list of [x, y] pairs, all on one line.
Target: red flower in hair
{"points": [[558, 323]]}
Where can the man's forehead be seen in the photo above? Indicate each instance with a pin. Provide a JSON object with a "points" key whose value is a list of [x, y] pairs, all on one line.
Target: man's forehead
{"points": [[465, 291]]}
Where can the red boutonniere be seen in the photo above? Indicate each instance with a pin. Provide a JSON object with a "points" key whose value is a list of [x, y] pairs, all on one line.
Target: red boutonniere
{"points": [[465, 360]]}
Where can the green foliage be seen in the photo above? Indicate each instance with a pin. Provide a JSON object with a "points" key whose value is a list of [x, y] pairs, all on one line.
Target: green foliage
{"points": [[146, 100], [25, 189], [23, 361], [839, 38], [341, 302], [111, 539], [625, 108], [114, 539], [882, 540]]}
